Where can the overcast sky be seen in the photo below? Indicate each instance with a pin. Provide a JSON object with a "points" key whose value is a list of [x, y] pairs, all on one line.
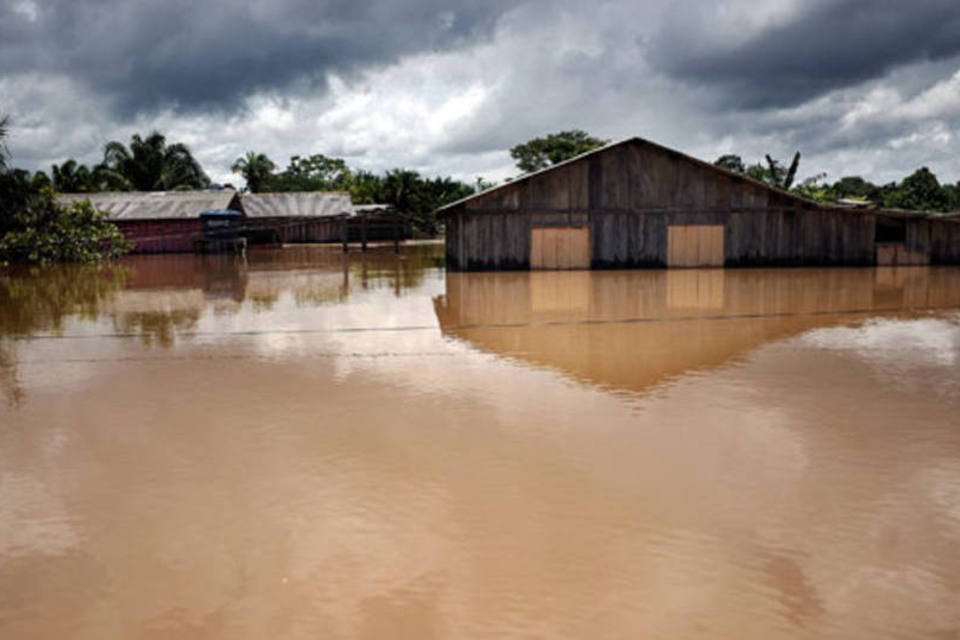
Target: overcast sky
{"points": [[868, 87]]}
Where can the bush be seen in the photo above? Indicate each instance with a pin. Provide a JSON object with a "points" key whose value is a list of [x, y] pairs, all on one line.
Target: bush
{"points": [[40, 231]]}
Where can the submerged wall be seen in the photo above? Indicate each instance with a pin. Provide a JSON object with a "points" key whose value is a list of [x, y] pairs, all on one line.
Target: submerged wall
{"points": [[624, 239], [161, 236]]}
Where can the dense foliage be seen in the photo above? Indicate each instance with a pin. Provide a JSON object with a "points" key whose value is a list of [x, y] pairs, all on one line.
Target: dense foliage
{"points": [[256, 169], [920, 191], [34, 228], [540, 153], [150, 164], [37, 229], [407, 191]]}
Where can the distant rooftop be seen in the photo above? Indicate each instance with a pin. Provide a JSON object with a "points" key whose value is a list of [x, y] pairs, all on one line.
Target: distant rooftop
{"points": [[308, 204], [154, 205]]}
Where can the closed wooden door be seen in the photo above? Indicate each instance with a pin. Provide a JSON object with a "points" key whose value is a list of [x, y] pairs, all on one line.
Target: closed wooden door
{"points": [[560, 248], [695, 245]]}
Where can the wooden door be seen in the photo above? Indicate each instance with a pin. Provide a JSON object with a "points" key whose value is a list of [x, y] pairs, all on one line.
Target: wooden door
{"points": [[695, 245], [560, 248]]}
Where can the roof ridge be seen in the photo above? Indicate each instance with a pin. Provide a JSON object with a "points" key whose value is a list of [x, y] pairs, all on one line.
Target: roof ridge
{"points": [[635, 139]]}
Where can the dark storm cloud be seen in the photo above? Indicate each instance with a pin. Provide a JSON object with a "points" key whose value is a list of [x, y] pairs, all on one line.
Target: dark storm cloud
{"points": [[825, 46], [196, 56]]}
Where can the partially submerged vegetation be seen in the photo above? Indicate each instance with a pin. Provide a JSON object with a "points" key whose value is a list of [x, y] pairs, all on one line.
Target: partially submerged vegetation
{"points": [[34, 228]]}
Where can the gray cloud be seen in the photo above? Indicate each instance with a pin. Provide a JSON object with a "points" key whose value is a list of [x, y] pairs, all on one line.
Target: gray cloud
{"points": [[146, 56], [821, 47], [864, 88]]}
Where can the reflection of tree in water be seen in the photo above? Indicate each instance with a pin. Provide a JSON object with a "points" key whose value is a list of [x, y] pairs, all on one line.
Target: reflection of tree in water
{"points": [[264, 301], [157, 327], [40, 299], [9, 381], [399, 272]]}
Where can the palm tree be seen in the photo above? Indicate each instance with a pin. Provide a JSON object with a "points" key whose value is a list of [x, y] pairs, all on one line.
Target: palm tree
{"points": [[152, 165], [255, 169], [4, 124], [71, 177]]}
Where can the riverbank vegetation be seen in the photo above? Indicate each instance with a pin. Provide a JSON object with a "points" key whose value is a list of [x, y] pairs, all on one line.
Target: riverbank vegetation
{"points": [[35, 228]]}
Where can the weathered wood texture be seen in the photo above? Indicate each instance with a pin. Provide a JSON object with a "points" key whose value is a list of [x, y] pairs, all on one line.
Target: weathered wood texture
{"points": [[161, 236], [290, 230], [896, 254], [630, 193], [560, 248], [695, 245], [945, 241]]}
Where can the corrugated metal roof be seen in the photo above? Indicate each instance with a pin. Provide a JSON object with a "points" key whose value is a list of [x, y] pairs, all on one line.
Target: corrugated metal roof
{"points": [[373, 209], [153, 205], [298, 204]]}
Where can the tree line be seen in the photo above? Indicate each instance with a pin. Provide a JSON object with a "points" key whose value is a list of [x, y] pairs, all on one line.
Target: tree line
{"points": [[919, 191], [33, 227], [150, 163], [406, 190]]}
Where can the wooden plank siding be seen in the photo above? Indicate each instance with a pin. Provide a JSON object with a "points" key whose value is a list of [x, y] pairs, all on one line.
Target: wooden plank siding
{"points": [[628, 195], [560, 248], [695, 245]]}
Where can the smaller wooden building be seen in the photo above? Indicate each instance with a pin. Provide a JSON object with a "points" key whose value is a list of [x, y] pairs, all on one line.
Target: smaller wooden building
{"points": [[159, 221], [320, 217], [905, 238], [296, 217]]}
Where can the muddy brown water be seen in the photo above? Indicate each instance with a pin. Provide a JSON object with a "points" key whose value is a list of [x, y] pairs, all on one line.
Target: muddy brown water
{"points": [[307, 445]]}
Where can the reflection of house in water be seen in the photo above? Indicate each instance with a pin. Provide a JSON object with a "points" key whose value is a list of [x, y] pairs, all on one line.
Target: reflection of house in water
{"points": [[172, 291], [633, 329]]}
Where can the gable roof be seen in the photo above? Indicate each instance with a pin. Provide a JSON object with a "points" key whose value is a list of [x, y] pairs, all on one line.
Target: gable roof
{"points": [[641, 141], [153, 205], [298, 204]]}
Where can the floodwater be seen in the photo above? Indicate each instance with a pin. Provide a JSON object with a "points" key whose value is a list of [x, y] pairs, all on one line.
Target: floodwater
{"points": [[307, 445]]}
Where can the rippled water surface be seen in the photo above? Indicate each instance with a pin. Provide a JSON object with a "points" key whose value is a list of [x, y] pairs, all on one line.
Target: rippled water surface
{"points": [[308, 445]]}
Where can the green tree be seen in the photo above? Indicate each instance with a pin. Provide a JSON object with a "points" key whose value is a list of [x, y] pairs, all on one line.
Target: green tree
{"points": [[953, 195], [44, 231], [71, 177], [366, 187], [780, 176], [312, 173], [150, 164], [418, 198], [772, 172], [731, 162], [920, 191], [854, 187], [405, 190], [540, 153], [256, 169], [4, 127]]}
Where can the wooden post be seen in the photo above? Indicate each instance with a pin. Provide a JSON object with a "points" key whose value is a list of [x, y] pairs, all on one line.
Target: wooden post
{"points": [[396, 235], [363, 233], [396, 277], [344, 233]]}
